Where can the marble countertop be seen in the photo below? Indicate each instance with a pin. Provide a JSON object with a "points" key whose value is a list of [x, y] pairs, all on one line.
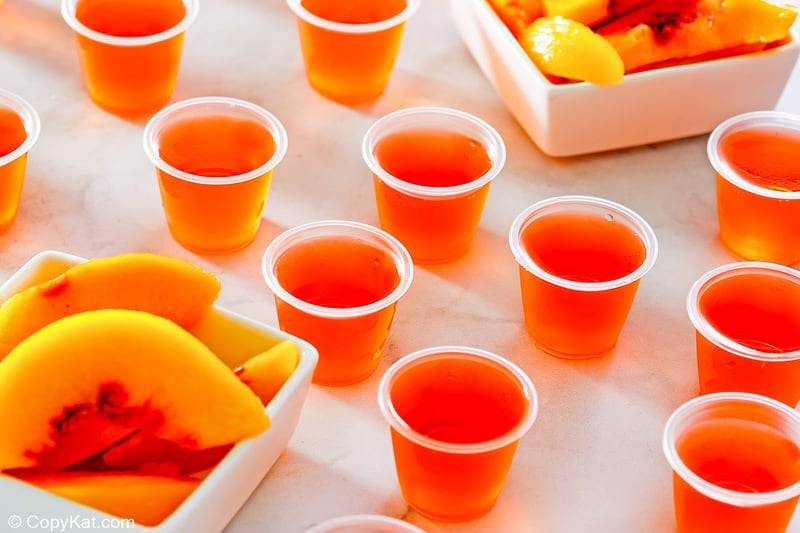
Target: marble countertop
{"points": [[592, 461]]}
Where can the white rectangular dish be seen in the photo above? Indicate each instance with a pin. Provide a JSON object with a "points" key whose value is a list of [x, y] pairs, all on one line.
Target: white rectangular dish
{"points": [[216, 500], [647, 107]]}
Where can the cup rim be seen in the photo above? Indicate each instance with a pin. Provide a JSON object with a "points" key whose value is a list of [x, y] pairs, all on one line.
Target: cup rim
{"points": [[30, 119], [490, 139], [707, 329], [641, 227], [728, 496], [780, 119], [395, 249], [270, 121], [342, 27], [68, 8], [334, 524], [394, 419]]}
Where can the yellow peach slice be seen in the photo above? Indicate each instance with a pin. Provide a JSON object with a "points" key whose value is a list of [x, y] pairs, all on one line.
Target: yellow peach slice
{"points": [[266, 372], [565, 48], [122, 368], [146, 498], [161, 285]]}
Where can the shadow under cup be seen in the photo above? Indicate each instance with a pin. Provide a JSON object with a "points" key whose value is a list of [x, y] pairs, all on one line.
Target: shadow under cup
{"points": [[336, 284], [456, 415], [214, 158], [747, 321]]}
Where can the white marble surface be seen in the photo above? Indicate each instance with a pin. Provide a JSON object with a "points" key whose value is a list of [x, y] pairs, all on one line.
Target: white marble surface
{"points": [[592, 461]]}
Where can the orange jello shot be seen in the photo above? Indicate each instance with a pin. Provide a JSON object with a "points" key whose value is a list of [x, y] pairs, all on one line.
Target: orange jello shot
{"points": [[129, 50], [336, 284], [747, 321], [580, 262], [735, 459], [19, 130], [456, 416], [432, 168], [214, 158], [349, 48], [755, 156]]}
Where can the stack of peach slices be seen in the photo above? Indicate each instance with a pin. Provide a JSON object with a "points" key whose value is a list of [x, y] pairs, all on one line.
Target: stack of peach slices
{"points": [[107, 399], [600, 41]]}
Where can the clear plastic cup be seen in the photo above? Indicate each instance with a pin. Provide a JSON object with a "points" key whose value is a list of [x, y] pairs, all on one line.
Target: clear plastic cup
{"points": [[736, 463], [214, 157], [130, 50], [349, 48], [336, 284], [365, 523], [432, 168], [758, 185], [20, 127], [456, 415], [580, 262], [747, 321]]}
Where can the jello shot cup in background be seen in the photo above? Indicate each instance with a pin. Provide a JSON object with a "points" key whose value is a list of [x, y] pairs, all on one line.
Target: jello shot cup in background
{"points": [[129, 50], [747, 321], [336, 284], [456, 415], [364, 523], [19, 130], [214, 158], [432, 169], [349, 48], [735, 459], [755, 156], [580, 261]]}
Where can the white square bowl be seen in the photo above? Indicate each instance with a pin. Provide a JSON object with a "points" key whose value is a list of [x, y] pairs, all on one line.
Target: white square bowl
{"points": [[216, 500], [650, 106]]}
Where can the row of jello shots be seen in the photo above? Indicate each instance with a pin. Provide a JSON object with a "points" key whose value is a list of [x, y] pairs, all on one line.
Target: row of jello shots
{"points": [[580, 262], [337, 284]]}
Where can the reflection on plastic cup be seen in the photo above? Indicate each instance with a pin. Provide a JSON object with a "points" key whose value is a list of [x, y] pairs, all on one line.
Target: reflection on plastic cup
{"points": [[456, 415], [432, 168], [365, 523], [19, 130], [747, 321], [129, 50], [736, 463], [349, 48], [214, 158], [336, 284], [580, 262], [758, 185]]}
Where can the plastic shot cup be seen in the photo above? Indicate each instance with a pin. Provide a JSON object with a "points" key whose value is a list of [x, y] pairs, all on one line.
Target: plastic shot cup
{"points": [[365, 523], [336, 284], [432, 168], [349, 48], [735, 459], [758, 185], [580, 262], [456, 415], [214, 158], [19, 130], [129, 50], [747, 321]]}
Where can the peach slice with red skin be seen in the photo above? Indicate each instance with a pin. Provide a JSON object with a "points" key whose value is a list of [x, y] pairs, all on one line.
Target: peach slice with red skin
{"points": [[146, 498], [131, 369], [165, 286], [143, 452]]}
